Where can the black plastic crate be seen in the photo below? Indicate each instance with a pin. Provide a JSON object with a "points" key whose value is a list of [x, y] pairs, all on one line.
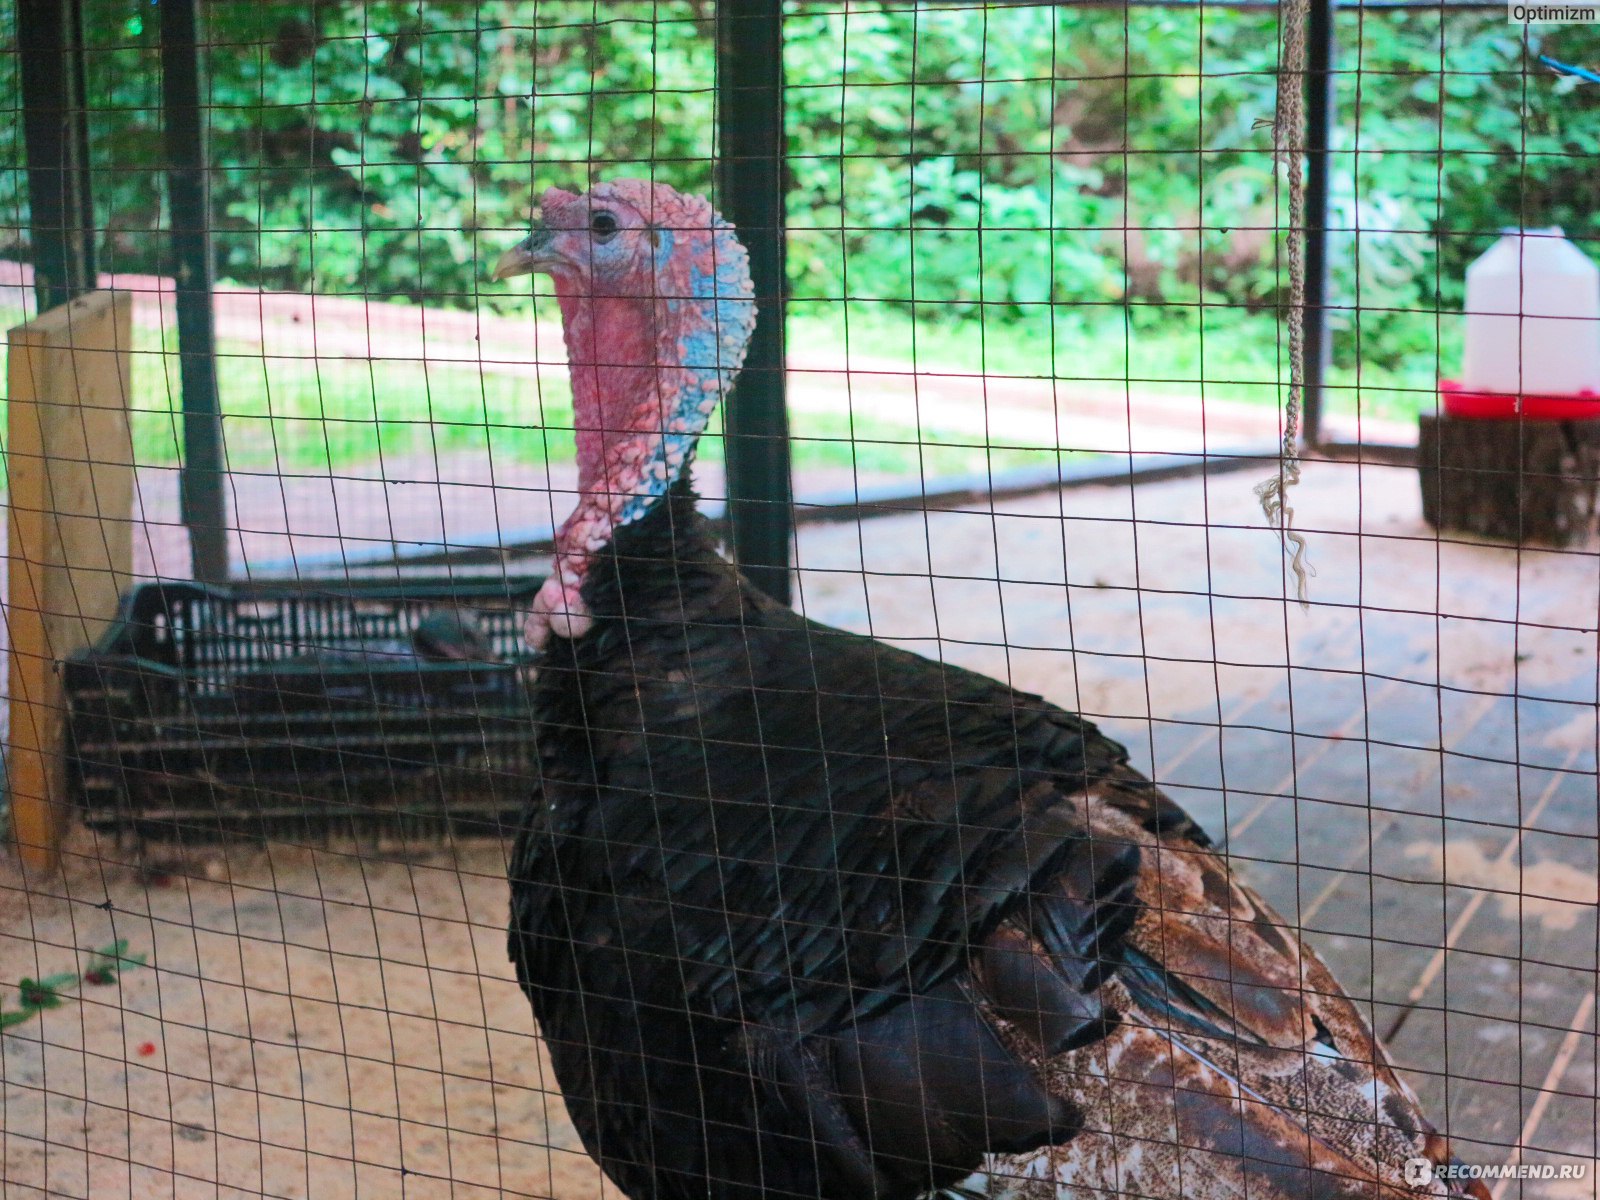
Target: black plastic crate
{"points": [[284, 708]]}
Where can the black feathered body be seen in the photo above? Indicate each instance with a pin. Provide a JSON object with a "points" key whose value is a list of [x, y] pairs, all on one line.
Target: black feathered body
{"points": [[765, 851], [802, 914]]}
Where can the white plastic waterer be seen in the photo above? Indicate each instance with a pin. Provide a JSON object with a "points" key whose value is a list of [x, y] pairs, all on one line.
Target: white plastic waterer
{"points": [[1533, 317]]}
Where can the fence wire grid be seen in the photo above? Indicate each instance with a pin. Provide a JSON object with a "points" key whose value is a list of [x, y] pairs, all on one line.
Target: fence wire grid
{"points": [[289, 666]]}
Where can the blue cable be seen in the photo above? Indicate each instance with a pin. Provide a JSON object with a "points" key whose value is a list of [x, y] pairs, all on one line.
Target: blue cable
{"points": [[1562, 68]]}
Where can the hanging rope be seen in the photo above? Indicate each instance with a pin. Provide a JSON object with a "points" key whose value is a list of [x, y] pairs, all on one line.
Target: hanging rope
{"points": [[1289, 134]]}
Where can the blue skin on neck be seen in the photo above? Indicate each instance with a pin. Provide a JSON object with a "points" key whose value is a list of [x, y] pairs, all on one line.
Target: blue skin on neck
{"points": [[720, 324]]}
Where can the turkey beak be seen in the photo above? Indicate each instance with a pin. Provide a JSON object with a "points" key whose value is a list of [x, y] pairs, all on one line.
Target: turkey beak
{"points": [[531, 254]]}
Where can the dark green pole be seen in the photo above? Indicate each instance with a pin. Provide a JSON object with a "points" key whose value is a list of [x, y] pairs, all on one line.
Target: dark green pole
{"points": [[1320, 57], [55, 132], [750, 172], [201, 486]]}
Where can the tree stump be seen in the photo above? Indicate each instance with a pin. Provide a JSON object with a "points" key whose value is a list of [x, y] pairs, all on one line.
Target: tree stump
{"points": [[1517, 481]]}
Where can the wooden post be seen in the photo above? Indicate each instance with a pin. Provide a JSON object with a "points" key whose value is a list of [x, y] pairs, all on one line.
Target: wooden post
{"points": [[1516, 481], [70, 553]]}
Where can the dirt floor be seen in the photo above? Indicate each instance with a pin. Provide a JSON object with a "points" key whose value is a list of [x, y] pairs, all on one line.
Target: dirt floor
{"points": [[1406, 769]]}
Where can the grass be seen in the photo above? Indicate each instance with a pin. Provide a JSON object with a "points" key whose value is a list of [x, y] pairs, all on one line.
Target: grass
{"points": [[329, 414], [1209, 352]]}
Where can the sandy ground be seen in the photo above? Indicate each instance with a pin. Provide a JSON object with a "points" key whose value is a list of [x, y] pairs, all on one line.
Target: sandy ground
{"points": [[338, 1021]]}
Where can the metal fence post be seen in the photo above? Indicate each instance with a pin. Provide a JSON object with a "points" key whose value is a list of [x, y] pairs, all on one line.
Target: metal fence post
{"points": [[56, 135], [750, 185], [203, 498], [1320, 56]]}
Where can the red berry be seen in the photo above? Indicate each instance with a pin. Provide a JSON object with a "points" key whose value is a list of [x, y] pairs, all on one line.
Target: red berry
{"points": [[146, 1049]]}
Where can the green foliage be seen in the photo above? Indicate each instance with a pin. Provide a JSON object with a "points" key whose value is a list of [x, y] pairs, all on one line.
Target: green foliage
{"points": [[367, 148], [1034, 168], [1043, 155], [103, 968], [1450, 129]]}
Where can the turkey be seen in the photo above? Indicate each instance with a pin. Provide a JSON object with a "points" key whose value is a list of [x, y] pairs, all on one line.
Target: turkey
{"points": [[802, 914]]}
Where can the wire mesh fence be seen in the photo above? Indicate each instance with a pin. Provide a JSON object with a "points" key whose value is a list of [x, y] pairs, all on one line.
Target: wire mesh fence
{"points": [[798, 912]]}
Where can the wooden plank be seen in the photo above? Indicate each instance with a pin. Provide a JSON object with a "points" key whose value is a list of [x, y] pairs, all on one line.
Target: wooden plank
{"points": [[1479, 926], [1345, 858], [70, 527]]}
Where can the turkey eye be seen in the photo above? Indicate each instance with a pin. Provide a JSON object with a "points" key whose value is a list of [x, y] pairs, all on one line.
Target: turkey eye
{"points": [[604, 226]]}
